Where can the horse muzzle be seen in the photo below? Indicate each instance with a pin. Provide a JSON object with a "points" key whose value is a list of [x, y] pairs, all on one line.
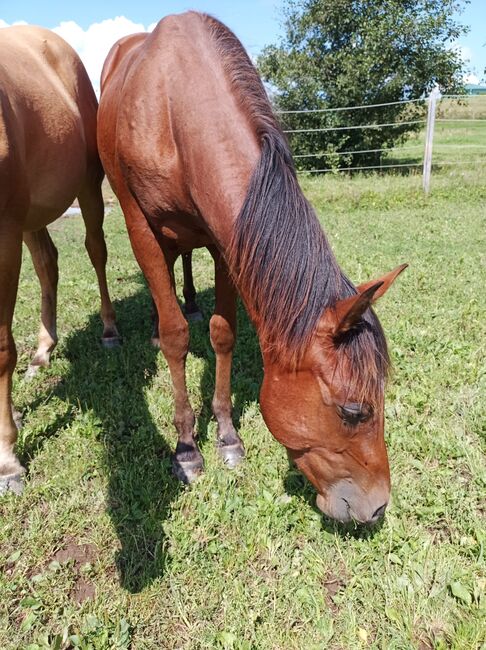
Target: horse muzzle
{"points": [[345, 501]]}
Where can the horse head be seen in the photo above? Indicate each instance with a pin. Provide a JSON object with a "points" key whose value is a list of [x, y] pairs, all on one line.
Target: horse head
{"points": [[328, 411]]}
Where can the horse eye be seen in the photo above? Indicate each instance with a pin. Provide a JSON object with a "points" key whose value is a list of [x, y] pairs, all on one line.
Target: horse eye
{"points": [[354, 414]]}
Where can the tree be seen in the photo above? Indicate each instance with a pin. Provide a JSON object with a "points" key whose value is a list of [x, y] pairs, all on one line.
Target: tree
{"points": [[344, 53]]}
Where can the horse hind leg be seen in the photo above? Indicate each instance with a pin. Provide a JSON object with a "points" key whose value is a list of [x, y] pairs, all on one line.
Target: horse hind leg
{"points": [[222, 329], [44, 258], [11, 471], [191, 309], [93, 211]]}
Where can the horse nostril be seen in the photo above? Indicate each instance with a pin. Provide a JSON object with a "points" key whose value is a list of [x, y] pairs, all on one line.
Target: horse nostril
{"points": [[380, 511]]}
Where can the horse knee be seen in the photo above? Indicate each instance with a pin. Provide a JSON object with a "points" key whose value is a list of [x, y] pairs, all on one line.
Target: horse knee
{"points": [[222, 335], [8, 354], [174, 342]]}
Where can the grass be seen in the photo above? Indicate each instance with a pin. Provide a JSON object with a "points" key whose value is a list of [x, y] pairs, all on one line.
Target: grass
{"points": [[106, 550]]}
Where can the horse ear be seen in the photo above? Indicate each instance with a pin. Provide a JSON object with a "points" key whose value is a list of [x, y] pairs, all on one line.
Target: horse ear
{"points": [[348, 311], [386, 282]]}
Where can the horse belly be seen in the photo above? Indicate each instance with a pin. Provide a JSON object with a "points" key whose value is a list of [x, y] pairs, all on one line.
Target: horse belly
{"points": [[55, 178], [183, 237]]}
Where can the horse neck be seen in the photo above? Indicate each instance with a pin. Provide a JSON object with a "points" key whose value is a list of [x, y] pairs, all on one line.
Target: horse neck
{"points": [[279, 255]]}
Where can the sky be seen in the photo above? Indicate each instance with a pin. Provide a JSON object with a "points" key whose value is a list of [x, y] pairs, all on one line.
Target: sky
{"points": [[92, 26]]}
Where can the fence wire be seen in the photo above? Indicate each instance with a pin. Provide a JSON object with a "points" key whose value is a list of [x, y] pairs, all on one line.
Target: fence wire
{"points": [[437, 146]]}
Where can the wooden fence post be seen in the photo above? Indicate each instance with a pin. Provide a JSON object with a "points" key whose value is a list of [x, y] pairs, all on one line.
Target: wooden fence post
{"points": [[429, 138]]}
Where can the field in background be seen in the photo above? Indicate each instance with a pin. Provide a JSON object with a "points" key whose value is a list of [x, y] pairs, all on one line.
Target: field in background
{"points": [[459, 144], [106, 550]]}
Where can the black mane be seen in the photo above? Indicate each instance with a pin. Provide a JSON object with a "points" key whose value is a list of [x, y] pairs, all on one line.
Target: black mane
{"points": [[279, 255]]}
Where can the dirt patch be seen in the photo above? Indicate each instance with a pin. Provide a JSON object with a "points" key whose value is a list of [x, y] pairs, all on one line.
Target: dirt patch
{"points": [[83, 590], [79, 555], [333, 586]]}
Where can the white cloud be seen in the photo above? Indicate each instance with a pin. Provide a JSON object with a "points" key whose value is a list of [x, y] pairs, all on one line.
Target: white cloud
{"points": [[94, 43], [18, 22], [467, 56], [471, 79]]}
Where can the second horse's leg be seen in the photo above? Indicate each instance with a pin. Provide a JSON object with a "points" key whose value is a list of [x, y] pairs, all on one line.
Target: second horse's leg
{"points": [[93, 210], [191, 309], [44, 258]]}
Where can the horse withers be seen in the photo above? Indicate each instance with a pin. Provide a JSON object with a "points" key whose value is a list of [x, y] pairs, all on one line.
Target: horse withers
{"points": [[48, 157], [197, 158]]}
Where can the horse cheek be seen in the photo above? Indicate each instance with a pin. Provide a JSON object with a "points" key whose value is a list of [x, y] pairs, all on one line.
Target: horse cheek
{"points": [[292, 408]]}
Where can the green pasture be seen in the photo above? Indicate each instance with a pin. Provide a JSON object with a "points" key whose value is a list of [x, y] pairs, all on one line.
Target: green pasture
{"points": [[459, 138], [106, 550]]}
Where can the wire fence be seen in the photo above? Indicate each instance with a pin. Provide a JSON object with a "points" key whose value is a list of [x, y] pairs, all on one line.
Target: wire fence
{"points": [[417, 151]]}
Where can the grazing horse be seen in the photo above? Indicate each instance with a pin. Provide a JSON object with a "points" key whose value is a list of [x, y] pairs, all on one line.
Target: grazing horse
{"points": [[48, 157], [197, 158]]}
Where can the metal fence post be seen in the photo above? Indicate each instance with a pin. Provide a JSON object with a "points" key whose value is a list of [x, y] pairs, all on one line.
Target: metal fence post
{"points": [[429, 138]]}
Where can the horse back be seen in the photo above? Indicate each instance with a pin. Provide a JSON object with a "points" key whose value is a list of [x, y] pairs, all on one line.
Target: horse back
{"points": [[171, 129], [48, 120]]}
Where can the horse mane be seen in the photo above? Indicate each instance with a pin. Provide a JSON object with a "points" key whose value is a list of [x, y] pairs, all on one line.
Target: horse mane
{"points": [[279, 255]]}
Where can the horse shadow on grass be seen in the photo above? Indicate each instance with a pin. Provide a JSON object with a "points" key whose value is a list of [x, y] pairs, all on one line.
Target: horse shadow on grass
{"points": [[111, 385]]}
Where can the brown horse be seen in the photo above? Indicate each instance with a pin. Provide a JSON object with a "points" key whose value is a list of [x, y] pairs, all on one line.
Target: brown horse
{"points": [[197, 158], [48, 156]]}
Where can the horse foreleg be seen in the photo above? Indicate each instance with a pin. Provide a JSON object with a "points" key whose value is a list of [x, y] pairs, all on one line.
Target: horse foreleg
{"points": [[44, 258], [173, 333], [93, 210], [191, 309], [222, 329], [11, 471]]}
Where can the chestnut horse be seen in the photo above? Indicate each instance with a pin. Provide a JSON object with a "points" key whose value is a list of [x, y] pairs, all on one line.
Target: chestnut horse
{"points": [[48, 157], [197, 158]]}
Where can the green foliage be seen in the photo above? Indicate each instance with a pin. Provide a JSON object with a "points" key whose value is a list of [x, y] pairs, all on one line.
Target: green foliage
{"points": [[349, 53]]}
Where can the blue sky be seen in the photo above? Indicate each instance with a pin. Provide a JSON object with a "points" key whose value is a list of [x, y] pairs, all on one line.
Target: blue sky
{"points": [[256, 23]]}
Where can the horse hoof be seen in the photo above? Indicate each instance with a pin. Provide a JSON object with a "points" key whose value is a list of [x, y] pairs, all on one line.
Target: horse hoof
{"points": [[110, 342], [187, 471], [232, 455], [31, 372], [12, 483], [155, 341], [17, 418], [194, 317]]}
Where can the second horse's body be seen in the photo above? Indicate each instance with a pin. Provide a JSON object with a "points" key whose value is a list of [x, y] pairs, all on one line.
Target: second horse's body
{"points": [[48, 157]]}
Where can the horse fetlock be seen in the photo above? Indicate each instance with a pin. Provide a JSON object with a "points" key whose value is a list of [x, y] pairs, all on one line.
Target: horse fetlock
{"points": [[10, 469], [41, 360], [184, 423]]}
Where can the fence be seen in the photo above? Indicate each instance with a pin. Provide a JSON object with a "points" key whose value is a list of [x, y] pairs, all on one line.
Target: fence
{"points": [[436, 115]]}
